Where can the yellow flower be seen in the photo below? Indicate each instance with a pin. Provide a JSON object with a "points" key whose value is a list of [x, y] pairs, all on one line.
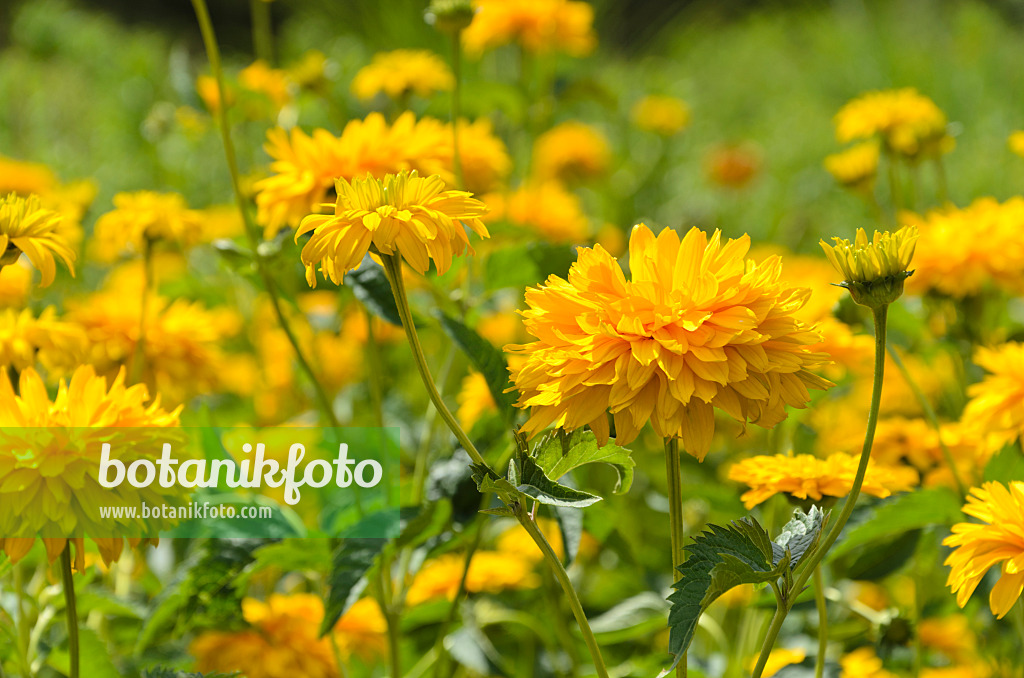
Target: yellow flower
{"points": [[141, 216], [570, 151], [904, 120], [951, 635], [284, 641], [862, 663], [662, 115], [485, 159], [697, 327], [1016, 142], [874, 271], [474, 399], [848, 351], [962, 250], [778, 659], [539, 26], [206, 88], [856, 166], [15, 282], [25, 178], [489, 572], [273, 82], [899, 440], [804, 476], [310, 71], [58, 477], [25, 339], [997, 540], [546, 208], [996, 406], [402, 214], [976, 670], [26, 227], [403, 72]]}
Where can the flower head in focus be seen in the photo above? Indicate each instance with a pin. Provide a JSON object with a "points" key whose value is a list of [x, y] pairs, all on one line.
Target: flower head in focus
{"points": [[402, 72], [696, 327], [995, 541], [539, 26], [400, 214], [662, 115], [905, 121], [145, 216], [570, 151], [804, 476], [27, 227], [855, 167], [873, 271]]}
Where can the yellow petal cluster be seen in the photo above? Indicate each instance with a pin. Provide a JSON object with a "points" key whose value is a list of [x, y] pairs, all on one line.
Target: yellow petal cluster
{"points": [[904, 120], [697, 326], [570, 151], [400, 214], [145, 216], [27, 227], [660, 114], [997, 540], [26, 340], [856, 166], [402, 72], [863, 663], [544, 208], [805, 476], [996, 405], [489, 572], [539, 26], [874, 270]]}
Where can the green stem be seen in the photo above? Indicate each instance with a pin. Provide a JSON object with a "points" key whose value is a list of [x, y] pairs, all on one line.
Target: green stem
{"points": [[460, 180], [819, 600], [70, 609], [929, 414], [677, 529], [570, 593], [392, 617], [23, 630], [880, 315], [213, 54], [262, 33]]}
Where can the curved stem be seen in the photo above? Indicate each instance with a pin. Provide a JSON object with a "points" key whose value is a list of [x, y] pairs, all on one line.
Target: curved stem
{"points": [[570, 593], [808, 568], [819, 600], [677, 529], [213, 54], [70, 608]]}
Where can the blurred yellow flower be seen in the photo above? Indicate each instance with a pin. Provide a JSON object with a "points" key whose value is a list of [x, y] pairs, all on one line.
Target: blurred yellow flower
{"points": [[25, 178], [310, 71], [26, 227], [951, 635], [474, 399], [539, 26], [996, 405], [485, 159], [145, 216], [905, 121], [996, 541], [570, 151], [856, 166], [26, 339], [284, 641], [206, 88], [489, 572], [805, 271], [697, 327], [848, 351], [58, 477], [804, 476], [15, 282], [899, 440], [403, 72], [778, 659], [873, 271], [1016, 142], [662, 115], [547, 209], [273, 82], [862, 663], [400, 214]]}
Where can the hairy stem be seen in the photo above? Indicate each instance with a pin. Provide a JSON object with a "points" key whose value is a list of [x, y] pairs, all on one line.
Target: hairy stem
{"points": [[70, 609]]}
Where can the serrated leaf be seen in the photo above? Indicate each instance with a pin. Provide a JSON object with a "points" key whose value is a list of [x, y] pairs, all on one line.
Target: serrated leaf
{"points": [[352, 559], [487, 360], [911, 511], [534, 483], [799, 536], [718, 559], [562, 452], [372, 288]]}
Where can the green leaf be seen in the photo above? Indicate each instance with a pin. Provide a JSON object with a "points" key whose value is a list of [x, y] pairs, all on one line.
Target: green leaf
{"points": [[911, 511], [372, 288], [352, 559], [282, 555], [562, 452], [428, 522], [94, 658], [1006, 465], [799, 537], [718, 559], [570, 524], [532, 482], [487, 360]]}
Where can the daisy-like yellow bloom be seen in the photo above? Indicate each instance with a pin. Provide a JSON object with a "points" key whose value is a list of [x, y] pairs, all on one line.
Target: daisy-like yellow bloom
{"points": [[59, 478], [489, 572], [804, 476], [697, 326], [873, 271], [272, 82], [284, 639], [26, 227], [15, 282], [403, 72], [996, 540], [570, 151], [905, 121], [400, 214], [539, 26], [547, 209], [963, 250], [141, 216], [863, 663], [778, 659], [996, 406], [26, 339], [855, 167], [1016, 142], [662, 115]]}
